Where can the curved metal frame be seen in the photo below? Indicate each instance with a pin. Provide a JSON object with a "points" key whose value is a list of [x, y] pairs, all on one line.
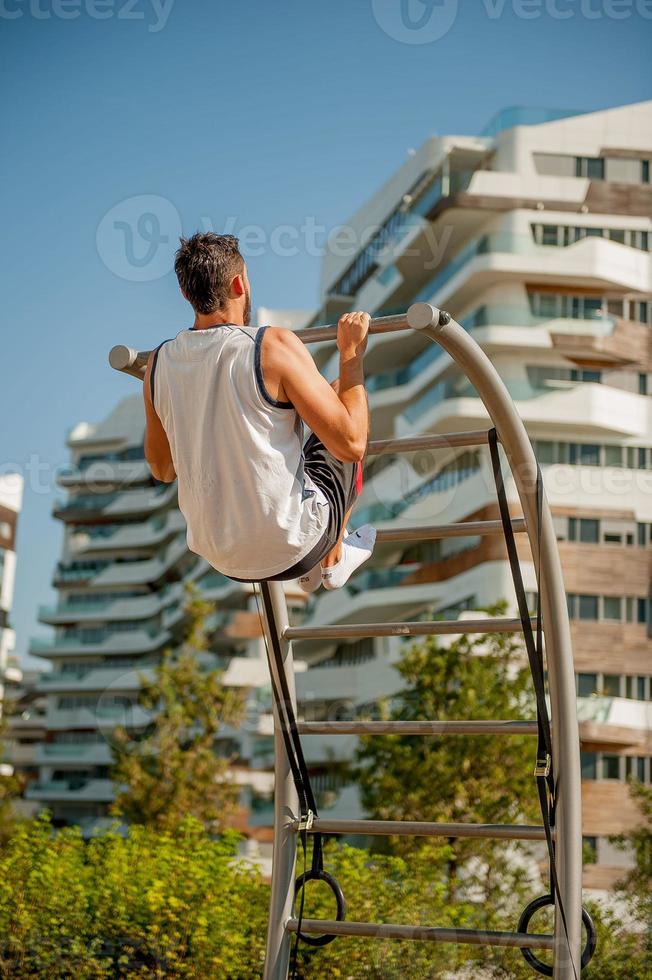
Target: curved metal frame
{"points": [[565, 737], [561, 678]]}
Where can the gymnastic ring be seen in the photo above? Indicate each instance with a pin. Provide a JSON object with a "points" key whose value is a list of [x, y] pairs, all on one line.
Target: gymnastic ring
{"points": [[543, 902], [334, 885]]}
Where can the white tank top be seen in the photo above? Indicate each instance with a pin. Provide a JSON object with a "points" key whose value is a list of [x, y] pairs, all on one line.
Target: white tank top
{"points": [[250, 509]]}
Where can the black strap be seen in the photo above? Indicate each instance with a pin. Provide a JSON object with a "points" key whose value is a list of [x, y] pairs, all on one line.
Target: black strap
{"points": [[546, 785], [157, 351], [298, 767]]}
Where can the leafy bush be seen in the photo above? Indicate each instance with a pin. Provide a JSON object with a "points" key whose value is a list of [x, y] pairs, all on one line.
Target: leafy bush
{"points": [[146, 905], [155, 904]]}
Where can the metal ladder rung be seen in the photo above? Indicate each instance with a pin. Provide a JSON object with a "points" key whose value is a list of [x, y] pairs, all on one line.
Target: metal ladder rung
{"points": [[430, 532], [429, 628], [410, 444], [420, 828], [389, 930], [417, 727]]}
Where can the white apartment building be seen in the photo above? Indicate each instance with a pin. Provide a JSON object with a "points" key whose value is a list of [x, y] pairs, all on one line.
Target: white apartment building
{"points": [[11, 501], [537, 238]]}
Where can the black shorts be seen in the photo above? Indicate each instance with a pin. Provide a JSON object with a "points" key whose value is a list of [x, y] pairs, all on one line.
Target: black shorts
{"points": [[341, 484]]}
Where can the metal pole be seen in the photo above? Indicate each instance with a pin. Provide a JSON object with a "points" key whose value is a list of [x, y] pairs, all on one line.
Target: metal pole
{"points": [[286, 811], [134, 362], [559, 655]]}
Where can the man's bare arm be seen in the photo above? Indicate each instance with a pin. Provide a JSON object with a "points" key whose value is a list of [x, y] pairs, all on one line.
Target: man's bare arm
{"points": [[157, 447], [339, 418]]}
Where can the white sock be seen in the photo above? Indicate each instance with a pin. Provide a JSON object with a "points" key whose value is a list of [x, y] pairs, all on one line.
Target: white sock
{"points": [[312, 581], [355, 550]]}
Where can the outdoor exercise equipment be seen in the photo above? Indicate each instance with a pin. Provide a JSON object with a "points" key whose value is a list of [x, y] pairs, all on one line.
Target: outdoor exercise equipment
{"points": [[557, 770]]}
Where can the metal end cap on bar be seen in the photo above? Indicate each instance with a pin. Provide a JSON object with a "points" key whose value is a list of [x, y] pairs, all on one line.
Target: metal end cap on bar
{"points": [[420, 316], [121, 357], [389, 930]]}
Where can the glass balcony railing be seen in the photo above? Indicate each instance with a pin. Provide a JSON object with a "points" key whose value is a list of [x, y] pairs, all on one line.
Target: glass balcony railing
{"points": [[402, 376], [381, 578], [521, 389], [517, 115], [450, 476], [521, 315], [505, 242]]}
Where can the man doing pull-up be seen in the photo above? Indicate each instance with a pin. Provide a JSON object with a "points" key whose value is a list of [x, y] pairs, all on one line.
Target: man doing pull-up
{"points": [[225, 405]]}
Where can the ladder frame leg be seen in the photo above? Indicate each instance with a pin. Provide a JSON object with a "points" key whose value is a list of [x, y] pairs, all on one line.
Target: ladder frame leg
{"points": [[286, 812], [514, 439]]}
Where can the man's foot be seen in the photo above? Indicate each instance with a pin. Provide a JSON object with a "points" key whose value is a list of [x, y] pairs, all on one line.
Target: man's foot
{"points": [[312, 581], [356, 549]]}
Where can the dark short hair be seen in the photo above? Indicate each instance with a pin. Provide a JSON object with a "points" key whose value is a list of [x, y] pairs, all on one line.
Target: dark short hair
{"points": [[205, 266]]}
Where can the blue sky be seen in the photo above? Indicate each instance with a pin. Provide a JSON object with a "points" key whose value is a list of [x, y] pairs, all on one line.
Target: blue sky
{"points": [[227, 115]]}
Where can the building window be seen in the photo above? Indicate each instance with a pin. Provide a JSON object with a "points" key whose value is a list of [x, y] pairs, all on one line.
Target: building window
{"points": [[584, 454], [591, 167], [590, 849], [645, 171], [635, 768], [641, 610], [611, 685], [589, 764], [549, 235], [587, 685], [587, 607], [612, 608], [584, 530], [611, 766]]}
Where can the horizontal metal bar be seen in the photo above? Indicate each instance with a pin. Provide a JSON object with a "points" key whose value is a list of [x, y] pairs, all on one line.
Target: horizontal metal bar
{"points": [[417, 727], [379, 324], [420, 828], [430, 628], [388, 930], [133, 362], [411, 444], [429, 532]]}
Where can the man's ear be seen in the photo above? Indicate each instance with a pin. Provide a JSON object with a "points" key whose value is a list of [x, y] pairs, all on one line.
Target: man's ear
{"points": [[238, 286]]}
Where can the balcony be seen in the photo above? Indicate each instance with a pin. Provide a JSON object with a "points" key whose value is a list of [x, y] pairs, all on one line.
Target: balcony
{"points": [[91, 609], [62, 754], [97, 678], [348, 685], [77, 790], [105, 472], [98, 715], [590, 262], [112, 537], [616, 722], [101, 642], [91, 507]]}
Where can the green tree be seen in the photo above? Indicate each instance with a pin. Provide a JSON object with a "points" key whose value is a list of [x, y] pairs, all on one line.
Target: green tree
{"points": [[457, 779], [174, 769], [11, 784]]}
